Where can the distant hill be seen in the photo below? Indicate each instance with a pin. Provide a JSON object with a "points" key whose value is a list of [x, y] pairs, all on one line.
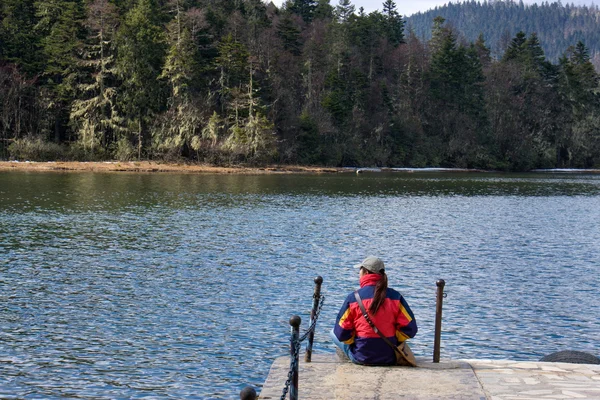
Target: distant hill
{"points": [[557, 26]]}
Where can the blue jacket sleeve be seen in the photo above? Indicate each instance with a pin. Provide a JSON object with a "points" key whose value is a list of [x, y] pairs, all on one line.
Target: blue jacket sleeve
{"points": [[406, 325], [344, 323]]}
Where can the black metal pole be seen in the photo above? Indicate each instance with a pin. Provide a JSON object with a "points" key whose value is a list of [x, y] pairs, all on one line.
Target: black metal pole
{"points": [[311, 335], [248, 393], [294, 357], [438, 320]]}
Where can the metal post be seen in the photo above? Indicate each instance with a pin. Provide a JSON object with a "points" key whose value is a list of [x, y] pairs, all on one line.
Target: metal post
{"points": [[438, 320], [248, 393], [295, 323], [311, 335]]}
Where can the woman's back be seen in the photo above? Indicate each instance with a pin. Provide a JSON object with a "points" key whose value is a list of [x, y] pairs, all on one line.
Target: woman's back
{"points": [[393, 318]]}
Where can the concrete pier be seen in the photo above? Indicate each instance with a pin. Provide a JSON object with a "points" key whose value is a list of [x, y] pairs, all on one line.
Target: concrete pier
{"points": [[327, 377]]}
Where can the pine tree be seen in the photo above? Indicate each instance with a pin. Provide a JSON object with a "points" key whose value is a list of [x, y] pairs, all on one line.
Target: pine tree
{"points": [[516, 49], [180, 65], [455, 78], [536, 59], [344, 10], [94, 114], [61, 24], [178, 127], [290, 35], [483, 52], [444, 74], [323, 10], [19, 41], [212, 130], [578, 86], [438, 34], [394, 25], [140, 56], [232, 63], [304, 8]]}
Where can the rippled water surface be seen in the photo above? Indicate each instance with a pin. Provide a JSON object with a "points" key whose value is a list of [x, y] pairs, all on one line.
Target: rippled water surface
{"points": [[181, 286]]}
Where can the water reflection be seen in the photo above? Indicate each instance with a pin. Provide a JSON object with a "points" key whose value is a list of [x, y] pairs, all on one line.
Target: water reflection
{"points": [[132, 285]]}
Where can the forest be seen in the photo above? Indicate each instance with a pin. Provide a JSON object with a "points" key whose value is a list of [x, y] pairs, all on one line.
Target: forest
{"points": [[556, 26], [231, 82]]}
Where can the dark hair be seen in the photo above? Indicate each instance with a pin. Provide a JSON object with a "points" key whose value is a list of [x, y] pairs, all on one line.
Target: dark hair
{"points": [[380, 291]]}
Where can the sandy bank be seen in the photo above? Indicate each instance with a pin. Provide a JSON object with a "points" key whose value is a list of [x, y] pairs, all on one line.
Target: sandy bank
{"points": [[150, 166]]}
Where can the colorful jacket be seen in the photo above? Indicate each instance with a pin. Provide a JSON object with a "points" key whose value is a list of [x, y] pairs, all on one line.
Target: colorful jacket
{"points": [[394, 319]]}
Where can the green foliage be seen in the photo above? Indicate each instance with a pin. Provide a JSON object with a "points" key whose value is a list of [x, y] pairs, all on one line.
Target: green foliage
{"points": [[141, 51], [324, 10], [36, 149], [309, 146], [94, 114], [232, 63], [212, 131], [304, 8], [19, 42], [393, 23], [578, 88], [61, 23], [344, 11], [558, 25], [123, 150], [312, 82], [180, 64], [177, 129], [289, 34]]}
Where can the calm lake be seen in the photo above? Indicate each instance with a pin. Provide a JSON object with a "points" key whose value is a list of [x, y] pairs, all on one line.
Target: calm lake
{"points": [[117, 286]]}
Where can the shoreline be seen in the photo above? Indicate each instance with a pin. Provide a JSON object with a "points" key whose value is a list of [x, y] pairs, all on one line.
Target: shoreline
{"points": [[152, 166], [183, 168]]}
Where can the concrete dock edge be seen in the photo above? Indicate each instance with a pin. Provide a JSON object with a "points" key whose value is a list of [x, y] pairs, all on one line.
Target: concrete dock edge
{"points": [[328, 377]]}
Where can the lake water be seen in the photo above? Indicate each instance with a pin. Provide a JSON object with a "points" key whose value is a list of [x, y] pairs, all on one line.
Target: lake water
{"points": [[181, 286]]}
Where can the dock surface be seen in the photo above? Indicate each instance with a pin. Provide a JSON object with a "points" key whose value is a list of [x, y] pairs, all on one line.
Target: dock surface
{"points": [[327, 377]]}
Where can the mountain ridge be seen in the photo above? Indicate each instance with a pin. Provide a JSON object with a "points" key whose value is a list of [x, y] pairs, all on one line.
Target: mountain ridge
{"points": [[558, 26]]}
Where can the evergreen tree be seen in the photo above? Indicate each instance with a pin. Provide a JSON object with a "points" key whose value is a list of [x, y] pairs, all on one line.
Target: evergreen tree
{"points": [[483, 52], [140, 57], [455, 77], [558, 26], [578, 86], [536, 59], [344, 10], [93, 113], [213, 129], [290, 35], [232, 64], [323, 10], [180, 66], [516, 49], [394, 25], [19, 41], [304, 8], [241, 80], [61, 24], [177, 129]]}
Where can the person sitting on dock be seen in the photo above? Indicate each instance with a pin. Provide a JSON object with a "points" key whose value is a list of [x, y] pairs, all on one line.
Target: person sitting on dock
{"points": [[388, 311]]}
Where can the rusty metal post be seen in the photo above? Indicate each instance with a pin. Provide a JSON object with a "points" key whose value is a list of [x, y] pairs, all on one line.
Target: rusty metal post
{"points": [[438, 320], [311, 335], [294, 357]]}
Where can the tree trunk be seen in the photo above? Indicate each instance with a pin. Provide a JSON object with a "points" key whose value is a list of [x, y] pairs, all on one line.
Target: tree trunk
{"points": [[57, 126], [140, 139]]}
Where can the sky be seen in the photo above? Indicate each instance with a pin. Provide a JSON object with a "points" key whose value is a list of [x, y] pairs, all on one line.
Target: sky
{"points": [[409, 7]]}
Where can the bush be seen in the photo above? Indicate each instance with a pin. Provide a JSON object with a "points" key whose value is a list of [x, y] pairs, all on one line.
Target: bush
{"points": [[35, 149], [123, 150], [78, 152]]}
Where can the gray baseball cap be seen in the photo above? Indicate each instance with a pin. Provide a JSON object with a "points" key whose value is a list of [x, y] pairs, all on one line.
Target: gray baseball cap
{"points": [[373, 264]]}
